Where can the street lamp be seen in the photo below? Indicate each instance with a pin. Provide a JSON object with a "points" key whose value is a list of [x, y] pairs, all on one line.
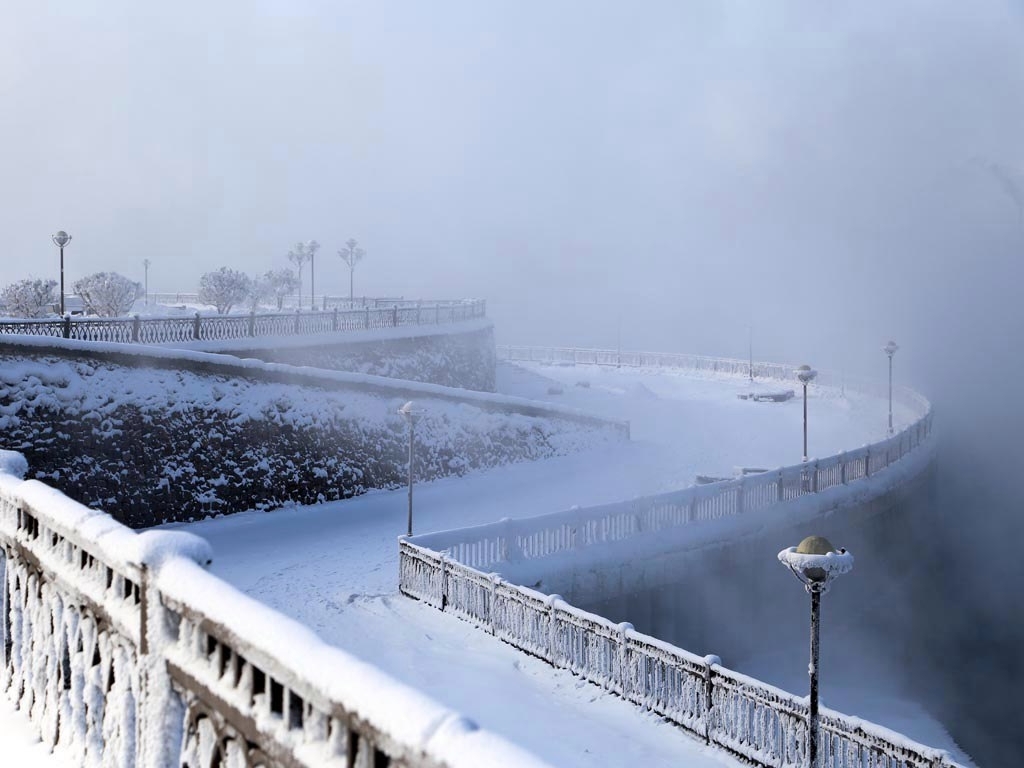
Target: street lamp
{"points": [[816, 563], [145, 265], [311, 248], [61, 239], [411, 415], [806, 374], [890, 350]]}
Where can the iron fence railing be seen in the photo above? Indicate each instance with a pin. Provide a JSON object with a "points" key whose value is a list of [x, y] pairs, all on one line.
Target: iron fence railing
{"points": [[181, 330]]}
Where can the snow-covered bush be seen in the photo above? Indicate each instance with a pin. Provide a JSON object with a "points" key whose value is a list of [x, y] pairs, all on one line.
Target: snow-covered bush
{"points": [[223, 288], [259, 292], [108, 294], [281, 283], [29, 298]]}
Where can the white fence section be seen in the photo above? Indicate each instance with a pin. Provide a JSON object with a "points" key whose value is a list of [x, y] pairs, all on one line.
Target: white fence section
{"points": [[123, 649], [763, 724]]}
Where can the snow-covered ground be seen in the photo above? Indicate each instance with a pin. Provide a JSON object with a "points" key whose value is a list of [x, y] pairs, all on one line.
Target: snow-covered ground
{"points": [[334, 567]]}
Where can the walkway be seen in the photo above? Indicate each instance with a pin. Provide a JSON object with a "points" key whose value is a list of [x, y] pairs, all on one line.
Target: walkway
{"points": [[334, 567]]}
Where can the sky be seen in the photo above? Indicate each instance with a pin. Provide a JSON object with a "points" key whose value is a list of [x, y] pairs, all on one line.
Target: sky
{"points": [[668, 174]]}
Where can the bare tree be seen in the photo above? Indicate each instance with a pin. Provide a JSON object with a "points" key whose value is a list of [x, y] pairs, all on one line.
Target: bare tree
{"points": [[29, 298], [351, 254], [259, 292], [108, 294], [223, 288], [281, 283]]}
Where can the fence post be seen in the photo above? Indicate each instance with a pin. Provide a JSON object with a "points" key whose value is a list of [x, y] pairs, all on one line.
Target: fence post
{"points": [[394, 316], [494, 578], [136, 322], [867, 461], [419, 312], [67, 326], [739, 497], [252, 322], [814, 478], [709, 661], [781, 487], [444, 581], [623, 659], [842, 467], [297, 313], [552, 633], [366, 320], [334, 321], [195, 327]]}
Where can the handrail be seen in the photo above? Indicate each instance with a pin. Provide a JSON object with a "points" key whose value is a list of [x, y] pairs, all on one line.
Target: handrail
{"points": [[197, 327], [450, 570], [122, 647]]}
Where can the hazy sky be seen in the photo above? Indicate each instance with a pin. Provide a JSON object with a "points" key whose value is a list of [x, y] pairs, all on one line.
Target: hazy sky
{"points": [[690, 168]]}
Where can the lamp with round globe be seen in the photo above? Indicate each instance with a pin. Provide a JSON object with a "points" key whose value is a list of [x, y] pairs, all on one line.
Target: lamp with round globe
{"points": [[816, 563], [61, 239], [890, 350]]}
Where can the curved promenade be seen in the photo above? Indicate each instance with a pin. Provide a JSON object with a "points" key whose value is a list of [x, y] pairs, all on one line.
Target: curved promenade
{"points": [[454, 572], [162, 635]]}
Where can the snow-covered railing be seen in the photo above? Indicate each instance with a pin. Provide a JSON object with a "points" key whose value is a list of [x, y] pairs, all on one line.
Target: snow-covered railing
{"points": [[171, 330], [124, 650], [757, 721], [451, 570]]}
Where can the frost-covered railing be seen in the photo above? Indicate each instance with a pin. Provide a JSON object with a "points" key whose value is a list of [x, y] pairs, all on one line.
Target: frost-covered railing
{"points": [[451, 571], [176, 330], [749, 718], [122, 648], [632, 359]]}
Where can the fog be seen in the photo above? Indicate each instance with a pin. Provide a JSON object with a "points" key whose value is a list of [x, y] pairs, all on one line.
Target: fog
{"points": [[671, 174]]}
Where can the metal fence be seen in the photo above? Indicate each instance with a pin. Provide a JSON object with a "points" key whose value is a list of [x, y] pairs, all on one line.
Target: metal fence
{"points": [[180, 330], [449, 570]]}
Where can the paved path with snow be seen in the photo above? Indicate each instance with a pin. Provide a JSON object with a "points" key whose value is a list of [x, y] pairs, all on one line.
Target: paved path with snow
{"points": [[334, 567]]}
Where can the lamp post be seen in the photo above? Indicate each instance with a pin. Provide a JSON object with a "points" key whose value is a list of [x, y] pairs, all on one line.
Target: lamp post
{"points": [[816, 563], [890, 350], [806, 374], [61, 239], [145, 266], [311, 248], [411, 416]]}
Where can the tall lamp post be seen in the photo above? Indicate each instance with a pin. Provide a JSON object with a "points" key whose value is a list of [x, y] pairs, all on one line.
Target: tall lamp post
{"points": [[145, 266], [806, 374], [311, 248], [816, 563], [411, 415], [61, 239], [890, 350]]}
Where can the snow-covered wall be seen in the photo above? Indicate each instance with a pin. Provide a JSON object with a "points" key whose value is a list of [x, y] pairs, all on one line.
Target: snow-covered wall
{"points": [[155, 435], [456, 355], [124, 651]]}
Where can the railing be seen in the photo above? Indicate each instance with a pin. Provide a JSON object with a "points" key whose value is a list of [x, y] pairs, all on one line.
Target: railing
{"points": [[749, 718], [178, 330], [122, 648], [763, 724]]}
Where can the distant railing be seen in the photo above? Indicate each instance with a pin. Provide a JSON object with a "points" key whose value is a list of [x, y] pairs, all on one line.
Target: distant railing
{"points": [[178, 330], [450, 571], [125, 650]]}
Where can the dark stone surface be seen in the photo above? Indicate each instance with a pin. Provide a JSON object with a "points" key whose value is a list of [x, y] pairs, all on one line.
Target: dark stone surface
{"points": [[466, 360]]}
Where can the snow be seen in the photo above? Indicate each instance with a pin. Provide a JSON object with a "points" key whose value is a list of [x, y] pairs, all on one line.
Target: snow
{"points": [[334, 567], [21, 746]]}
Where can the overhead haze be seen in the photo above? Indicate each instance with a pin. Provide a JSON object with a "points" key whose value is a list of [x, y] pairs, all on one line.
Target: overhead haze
{"points": [[671, 173]]}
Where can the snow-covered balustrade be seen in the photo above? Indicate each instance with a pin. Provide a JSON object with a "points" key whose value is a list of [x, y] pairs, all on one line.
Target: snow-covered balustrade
{"points": [[176, 330], [757, 721], [453, 571], [123, 649]]}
